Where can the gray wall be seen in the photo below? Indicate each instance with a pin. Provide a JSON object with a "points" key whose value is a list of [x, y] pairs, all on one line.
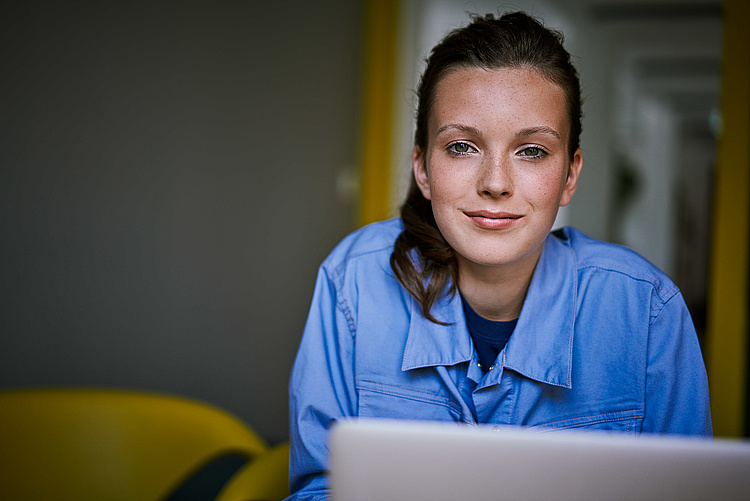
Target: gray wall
{"points": [[167, 191]]}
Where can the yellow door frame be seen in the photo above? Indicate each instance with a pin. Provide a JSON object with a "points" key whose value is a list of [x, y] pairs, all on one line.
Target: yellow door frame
{"points": [[727, 327]]}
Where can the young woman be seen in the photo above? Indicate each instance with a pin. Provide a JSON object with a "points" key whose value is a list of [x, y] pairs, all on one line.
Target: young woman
{"points": [[467, 308]]}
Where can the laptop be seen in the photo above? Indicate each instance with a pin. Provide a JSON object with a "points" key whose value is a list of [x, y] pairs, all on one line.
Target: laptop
{"points": [[381, 460]]}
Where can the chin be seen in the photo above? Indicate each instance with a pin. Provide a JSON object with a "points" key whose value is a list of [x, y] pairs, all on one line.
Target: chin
{"points": [[494, 254]]}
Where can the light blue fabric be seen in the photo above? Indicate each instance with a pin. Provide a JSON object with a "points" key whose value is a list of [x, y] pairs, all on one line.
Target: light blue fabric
{"points": [[604, 342]]}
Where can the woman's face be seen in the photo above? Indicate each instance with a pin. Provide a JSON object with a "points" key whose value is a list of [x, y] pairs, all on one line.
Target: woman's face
{"points": [[497, 166]]}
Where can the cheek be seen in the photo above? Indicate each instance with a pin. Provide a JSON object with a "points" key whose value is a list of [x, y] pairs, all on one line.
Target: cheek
{"points": [[546, 188], [444, 185]]}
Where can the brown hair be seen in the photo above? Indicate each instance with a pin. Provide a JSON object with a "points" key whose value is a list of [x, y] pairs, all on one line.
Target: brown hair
{"points": [[422, 260]]}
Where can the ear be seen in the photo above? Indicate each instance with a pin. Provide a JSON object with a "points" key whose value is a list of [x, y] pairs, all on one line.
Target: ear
{"points": [[419, 164], [574, 173]]}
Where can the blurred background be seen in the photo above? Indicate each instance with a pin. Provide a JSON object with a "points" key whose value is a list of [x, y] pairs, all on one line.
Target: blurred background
{"points": [[173, 173]]}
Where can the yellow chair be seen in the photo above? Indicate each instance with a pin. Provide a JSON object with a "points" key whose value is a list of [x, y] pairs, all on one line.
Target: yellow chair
{"points": [[87, 444], [266, 478]]}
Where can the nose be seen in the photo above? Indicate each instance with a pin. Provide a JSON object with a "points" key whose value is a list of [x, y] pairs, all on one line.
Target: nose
{"points": [[495, 179]]}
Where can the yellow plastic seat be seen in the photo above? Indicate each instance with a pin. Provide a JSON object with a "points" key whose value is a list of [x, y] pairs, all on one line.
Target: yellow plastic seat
{"points": [[266, 478], [86, 444]]}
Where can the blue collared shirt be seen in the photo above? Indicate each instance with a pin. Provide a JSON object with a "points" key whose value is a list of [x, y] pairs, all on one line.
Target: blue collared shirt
{"points": [[604, 341]]}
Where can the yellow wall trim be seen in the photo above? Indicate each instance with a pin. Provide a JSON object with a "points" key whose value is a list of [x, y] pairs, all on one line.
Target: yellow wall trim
{"points": [[380, 26]]}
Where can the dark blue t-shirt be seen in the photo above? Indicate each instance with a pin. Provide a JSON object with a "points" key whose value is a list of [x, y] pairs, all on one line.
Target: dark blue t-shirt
{"points": [[489, 336]]}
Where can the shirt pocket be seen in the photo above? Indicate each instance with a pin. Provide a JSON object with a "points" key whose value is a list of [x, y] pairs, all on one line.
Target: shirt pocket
{"points": [[628, 422], [378, 400]]}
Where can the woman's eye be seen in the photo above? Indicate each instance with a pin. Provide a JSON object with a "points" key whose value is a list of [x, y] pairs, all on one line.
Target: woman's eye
{"points": [[460, 148], [533, 152]]}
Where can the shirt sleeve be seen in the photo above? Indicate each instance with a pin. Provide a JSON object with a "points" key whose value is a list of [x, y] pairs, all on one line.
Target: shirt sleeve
{"points": [[321, 389], [676, 383]]}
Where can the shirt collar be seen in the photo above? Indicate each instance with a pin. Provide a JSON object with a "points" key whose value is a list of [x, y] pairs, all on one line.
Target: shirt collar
{"points": [[430, 344], [541, 345]]}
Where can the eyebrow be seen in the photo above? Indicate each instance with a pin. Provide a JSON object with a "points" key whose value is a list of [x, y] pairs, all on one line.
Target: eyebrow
{"points": [[460, 127], [530, 131], [542, 129]]}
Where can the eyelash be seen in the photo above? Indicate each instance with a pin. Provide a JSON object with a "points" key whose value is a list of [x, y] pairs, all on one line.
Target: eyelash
{"points": [[540, 152], [451, 149]]}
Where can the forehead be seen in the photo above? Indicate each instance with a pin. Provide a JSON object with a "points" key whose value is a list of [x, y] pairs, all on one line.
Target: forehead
{"points": [[505, 97]]}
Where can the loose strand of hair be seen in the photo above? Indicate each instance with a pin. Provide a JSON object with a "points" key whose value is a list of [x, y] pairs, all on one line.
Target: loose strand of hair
{"points": [[430, 271]]}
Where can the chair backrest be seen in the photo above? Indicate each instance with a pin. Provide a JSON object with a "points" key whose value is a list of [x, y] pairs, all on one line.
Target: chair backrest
{"points": [[108, 444]]}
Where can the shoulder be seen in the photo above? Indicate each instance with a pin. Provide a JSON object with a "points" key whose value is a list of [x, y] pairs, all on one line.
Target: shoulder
{"points": [[359, 273], [373, 239], [364, 255], [596, 256]]}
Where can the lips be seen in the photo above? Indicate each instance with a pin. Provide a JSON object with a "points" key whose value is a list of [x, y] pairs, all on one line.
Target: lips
{"points": [[491, 220]]}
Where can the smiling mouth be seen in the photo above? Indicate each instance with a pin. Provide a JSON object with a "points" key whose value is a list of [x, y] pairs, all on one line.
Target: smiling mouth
{"points": [[491, 220], [492, 215]]}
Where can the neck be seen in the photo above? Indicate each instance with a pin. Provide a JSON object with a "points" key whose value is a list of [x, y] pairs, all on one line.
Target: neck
{"points": [[496, 292]]}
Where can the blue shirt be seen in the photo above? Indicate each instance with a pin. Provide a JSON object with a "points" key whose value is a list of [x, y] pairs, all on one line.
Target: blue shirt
{"points": [[604, 341]]}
